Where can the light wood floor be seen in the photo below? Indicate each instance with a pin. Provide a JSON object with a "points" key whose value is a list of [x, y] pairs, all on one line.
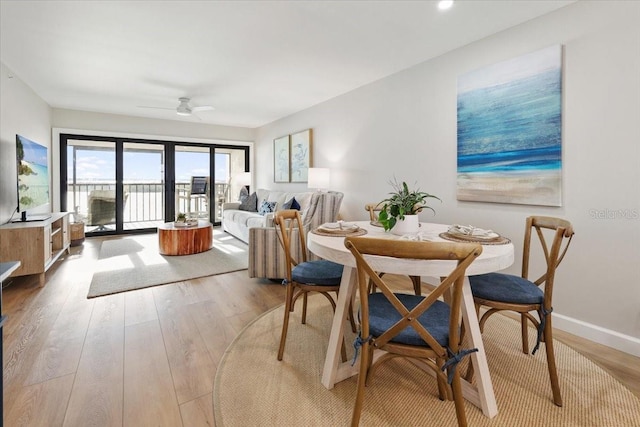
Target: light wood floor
{"points": [[147, 357]]}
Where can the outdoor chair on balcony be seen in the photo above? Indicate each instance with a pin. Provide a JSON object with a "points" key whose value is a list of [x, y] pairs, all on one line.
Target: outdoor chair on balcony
{"points": [[102, 208], [194, 200]]}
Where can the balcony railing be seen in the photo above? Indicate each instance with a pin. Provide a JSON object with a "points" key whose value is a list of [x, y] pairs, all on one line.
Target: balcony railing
{"points": [[144, 201]]}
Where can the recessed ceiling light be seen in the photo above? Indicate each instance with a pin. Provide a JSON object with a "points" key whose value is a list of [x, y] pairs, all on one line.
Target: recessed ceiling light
{"points": [[445, 4]]}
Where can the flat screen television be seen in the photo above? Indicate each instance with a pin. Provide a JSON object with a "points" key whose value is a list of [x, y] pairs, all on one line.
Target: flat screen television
{"points": [[33, 180]]}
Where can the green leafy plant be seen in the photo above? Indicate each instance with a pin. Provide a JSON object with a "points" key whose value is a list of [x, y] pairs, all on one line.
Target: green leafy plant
{"points": [[181, 217], [402, 202]]}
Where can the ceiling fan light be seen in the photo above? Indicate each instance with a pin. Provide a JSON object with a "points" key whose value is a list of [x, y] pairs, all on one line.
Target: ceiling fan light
{"points": [[445, 4], [183, 112]]}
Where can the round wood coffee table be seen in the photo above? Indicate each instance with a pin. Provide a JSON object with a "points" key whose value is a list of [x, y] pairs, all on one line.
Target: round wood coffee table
{"points": [[189, 240]]}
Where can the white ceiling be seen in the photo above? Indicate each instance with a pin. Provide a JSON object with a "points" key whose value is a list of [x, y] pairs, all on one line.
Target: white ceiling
{"points": [[254, 61]]}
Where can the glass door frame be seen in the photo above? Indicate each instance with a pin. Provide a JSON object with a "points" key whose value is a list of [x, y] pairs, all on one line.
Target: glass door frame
{"points": [[169, 174], [213, 149], [119, 189]]}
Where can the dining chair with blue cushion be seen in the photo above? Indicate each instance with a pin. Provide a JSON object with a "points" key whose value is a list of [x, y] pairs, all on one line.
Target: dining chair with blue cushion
{"points": [[374, 209], [303, 276], [412, 326], [520, 294]]}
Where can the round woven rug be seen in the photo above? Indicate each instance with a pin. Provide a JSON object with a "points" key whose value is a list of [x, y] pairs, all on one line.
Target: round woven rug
{"points": [[252, 388]]}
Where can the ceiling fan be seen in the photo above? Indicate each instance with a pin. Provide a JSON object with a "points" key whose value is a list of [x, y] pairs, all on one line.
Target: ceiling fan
{"points": [[184, 108]]}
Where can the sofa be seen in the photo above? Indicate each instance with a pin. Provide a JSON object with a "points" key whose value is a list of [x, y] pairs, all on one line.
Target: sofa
{"points": [[266, 256]]}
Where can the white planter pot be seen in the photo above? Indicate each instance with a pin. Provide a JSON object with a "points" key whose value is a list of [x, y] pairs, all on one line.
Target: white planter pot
{"points": [[410, 225]]}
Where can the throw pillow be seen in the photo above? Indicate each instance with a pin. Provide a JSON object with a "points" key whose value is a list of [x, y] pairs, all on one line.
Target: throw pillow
{"points": [[266, 207], [244, 194], [250, 204], [291, 204]]}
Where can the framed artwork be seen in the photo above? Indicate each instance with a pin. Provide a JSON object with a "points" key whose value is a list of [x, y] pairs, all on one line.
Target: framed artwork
{"points": [[510, 131], [300, 155], [281, 159]]}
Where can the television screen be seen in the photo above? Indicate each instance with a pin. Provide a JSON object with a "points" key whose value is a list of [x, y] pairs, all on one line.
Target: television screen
{"points": [[33, 174]]}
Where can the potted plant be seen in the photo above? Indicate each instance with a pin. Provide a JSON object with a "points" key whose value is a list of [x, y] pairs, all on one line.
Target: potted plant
{"points": [[181, 218], [402, 203]]}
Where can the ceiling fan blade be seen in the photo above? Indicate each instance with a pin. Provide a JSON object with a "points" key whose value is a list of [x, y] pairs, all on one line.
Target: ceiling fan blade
{"points": [[155, 108], [203, 108]]}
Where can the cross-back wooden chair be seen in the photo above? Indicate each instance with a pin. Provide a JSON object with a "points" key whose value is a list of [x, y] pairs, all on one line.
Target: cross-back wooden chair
{"points": [[500, 291], [373, 209], [303, 275], [413, 326]]}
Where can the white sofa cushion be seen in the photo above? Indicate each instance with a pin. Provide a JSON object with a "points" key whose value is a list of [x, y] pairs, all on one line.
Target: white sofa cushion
{"points": [[238, 222]]}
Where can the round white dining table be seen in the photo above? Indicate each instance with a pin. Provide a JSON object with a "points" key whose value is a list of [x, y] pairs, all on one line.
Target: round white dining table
{"points": [[493, 258]]}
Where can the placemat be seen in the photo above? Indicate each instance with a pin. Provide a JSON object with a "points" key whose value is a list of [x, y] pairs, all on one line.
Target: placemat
{"points": [[338, 233], [501, 240]]}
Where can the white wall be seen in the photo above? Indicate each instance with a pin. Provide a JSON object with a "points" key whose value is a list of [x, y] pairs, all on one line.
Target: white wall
{"points": [[405, 126], [22, 112]]}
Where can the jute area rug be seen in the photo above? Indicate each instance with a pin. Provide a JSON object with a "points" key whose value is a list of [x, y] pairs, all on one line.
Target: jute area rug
{"points": [[129, 263], [253, 389]]}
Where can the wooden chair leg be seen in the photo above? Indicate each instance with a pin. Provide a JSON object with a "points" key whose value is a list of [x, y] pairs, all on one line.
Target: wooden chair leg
{"points": [[371, 288], [551, 362], [458, 400], [352, 319], [442, 384], [417, 284], [525, 333], [285, 322], [362, 378], [304, 307]]}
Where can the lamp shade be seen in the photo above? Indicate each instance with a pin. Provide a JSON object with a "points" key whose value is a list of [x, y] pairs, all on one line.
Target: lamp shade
{"points": [[319, 178], [243, 178]]}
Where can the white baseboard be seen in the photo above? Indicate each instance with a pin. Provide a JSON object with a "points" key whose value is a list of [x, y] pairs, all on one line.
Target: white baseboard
{"points": [[598, 334]]}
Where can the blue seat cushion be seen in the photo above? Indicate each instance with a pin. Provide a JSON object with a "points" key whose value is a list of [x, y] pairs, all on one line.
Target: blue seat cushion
{"points": [[383, 315], [505, 288], [320, 272]]}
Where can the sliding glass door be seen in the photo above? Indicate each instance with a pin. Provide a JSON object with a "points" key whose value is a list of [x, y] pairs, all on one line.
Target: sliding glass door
{"points": [[143, 185], [91, 184], [193, 181], [212, 165], [123, 185]]}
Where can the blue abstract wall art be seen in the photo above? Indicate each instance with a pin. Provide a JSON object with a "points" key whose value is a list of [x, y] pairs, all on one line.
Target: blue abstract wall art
{"points": [[510, 131]]}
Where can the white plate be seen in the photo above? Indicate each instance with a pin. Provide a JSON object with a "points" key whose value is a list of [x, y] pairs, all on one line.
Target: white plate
{"points": [[472, 232], [337, 226]]}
